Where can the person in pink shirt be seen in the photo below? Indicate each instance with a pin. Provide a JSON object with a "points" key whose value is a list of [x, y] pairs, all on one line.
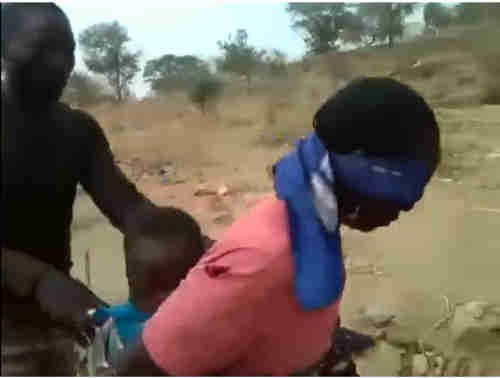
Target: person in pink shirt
{"points": [[265, 298]]}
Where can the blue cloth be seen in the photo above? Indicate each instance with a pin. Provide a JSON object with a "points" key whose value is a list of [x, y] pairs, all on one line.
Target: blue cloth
{"points": [[128, 320], [305, 180]]}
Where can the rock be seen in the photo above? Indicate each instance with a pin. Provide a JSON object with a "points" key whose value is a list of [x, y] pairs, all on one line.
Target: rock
{"points": [[223, 219], [493, 155], [476, 309], [439, 365], [168, 181], [383, 360], [380, 334], [169, 175], [223, 191], [418, 63], [269, 171], [474, 329], [377, 317], [458, 367], [445, 179], [203, 191], [167, 169], [420, 365], [401, 336]]}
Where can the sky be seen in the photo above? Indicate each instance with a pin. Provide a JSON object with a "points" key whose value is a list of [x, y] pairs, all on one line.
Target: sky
{"points": [[179, 27]]}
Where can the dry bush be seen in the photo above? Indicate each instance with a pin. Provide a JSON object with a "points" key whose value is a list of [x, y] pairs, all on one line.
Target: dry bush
{"points": [[429, 70], [279, 111], [460, 160], [484, 45], [489, 59], [284, 125], [271, 114], [335, 65], [157, 132], [491, 91], [466, 80]]}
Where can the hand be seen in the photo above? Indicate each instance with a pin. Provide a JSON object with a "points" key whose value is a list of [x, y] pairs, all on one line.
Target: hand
{"points": [[67, 301]]}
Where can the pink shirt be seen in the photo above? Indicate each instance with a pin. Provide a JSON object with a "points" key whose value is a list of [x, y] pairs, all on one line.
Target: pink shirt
{"points": [[236, 312]]}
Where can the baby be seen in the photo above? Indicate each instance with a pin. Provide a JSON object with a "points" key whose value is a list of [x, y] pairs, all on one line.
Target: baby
{"points": [[151, 277]]}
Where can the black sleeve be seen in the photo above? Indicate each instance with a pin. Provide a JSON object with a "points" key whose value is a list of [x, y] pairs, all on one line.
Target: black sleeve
{"points": [[113, 193], [21, 272]]}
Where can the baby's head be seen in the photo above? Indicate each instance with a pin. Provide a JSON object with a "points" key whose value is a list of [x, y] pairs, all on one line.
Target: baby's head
{"points": [[159, 255]]}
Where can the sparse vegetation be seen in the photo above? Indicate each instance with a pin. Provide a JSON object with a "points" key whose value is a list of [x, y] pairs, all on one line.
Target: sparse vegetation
{"points": [[106, 53], [171, 72], [239, 57], [437, 15], [457, 71], [276, 62], [205, 92], [84, 90], [490, 93], [452, 71], [322, 24], [487, 55]]}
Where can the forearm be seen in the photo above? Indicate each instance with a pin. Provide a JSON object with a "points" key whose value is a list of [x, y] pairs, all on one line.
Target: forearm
{"points": [[111, 190], [21, 272]]}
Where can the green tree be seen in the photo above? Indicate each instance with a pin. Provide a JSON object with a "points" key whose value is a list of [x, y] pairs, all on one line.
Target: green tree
{"points": [[475, 13], [386, 20], [205, 91], [171, 72], [323, 24], [239, 57], [106, 53], [83, 90], [437, 15], [276, 62]]}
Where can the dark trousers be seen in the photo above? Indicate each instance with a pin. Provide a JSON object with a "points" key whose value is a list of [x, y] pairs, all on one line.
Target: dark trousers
{"points": [[31, 350]]}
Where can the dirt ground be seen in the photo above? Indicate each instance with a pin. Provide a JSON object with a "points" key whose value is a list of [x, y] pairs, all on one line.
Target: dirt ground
{"points": [[448, 246]]}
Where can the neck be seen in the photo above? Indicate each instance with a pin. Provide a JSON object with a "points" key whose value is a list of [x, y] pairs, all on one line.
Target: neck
{"points": [[26, 100]]}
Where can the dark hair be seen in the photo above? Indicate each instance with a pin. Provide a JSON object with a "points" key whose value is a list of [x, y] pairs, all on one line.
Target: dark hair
{"points": [[12, 13], [176, 228], [382, 117]]}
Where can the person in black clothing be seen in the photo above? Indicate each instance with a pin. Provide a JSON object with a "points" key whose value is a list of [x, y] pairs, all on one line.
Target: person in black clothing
{"points": [[47, 149]]}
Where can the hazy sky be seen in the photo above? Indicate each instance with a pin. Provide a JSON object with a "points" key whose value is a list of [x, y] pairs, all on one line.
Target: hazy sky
{"points": [[179, 27]]}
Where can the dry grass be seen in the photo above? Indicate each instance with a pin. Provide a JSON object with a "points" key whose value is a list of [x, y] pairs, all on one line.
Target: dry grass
{"points": [[156, 131], [483, 43], [450, 74]]}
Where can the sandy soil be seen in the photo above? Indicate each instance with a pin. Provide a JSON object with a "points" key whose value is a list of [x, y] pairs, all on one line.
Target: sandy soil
{"points": [[447, 246]]}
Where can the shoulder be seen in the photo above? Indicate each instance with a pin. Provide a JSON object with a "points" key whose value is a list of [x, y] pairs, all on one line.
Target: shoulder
{"points": [[256, 246], [78, 120], [264, 227]]}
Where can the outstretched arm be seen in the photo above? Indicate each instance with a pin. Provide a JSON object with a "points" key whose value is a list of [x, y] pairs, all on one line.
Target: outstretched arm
{"points": [[113, 193]]}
